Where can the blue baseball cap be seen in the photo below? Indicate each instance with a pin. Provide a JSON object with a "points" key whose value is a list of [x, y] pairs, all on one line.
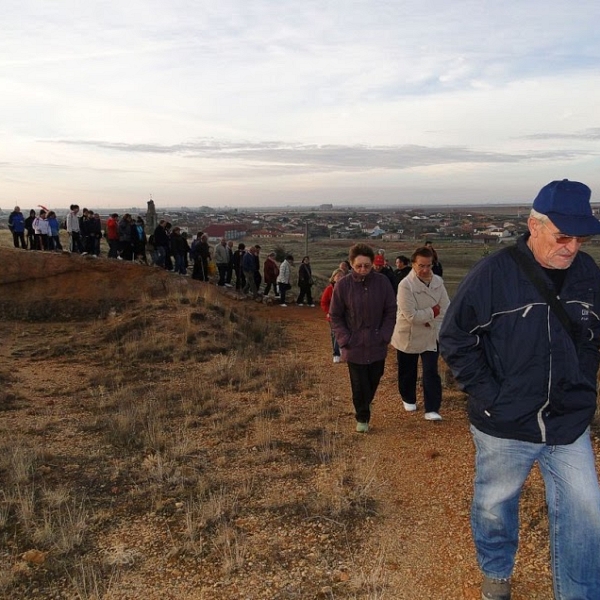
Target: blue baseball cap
{"points": [[567, 204]]}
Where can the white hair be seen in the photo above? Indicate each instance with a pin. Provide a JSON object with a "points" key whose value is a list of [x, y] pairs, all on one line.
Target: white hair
{"points": [[534, 214]]}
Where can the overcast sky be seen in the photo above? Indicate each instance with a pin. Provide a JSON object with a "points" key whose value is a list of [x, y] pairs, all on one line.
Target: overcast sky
{"points": [[276, 102]]}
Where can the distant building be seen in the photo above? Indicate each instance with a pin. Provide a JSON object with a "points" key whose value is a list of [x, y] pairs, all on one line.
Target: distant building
{"points": [[498, 232], [266, 233], [377, 232], [229, 231]]}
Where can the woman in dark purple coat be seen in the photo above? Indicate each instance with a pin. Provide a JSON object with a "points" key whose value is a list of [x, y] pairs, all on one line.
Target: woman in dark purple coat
{"points": [[363, 314]]}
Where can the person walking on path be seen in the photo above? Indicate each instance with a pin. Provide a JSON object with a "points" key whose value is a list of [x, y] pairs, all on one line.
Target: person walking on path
{"points": [[363, 312], [238, 257], [325, 305], [380, 266], [54, 239], [41, 230], [271, 272], [222, 261], [179, 251], [125, 237], [305, 283], [522, 337], [112, 235], [139, 241], [29, 229], [422, 302], [284, 278], [229, 264], [249, 269], [16, 224], [73, 229], [437, 268], [403, 268]]}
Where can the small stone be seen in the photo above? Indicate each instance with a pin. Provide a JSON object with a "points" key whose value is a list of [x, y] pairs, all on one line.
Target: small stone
{"points": [[36, 557]]}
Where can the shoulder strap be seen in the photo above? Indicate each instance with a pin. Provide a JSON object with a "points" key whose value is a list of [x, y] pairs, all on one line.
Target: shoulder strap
{"points": [[535, 276]]}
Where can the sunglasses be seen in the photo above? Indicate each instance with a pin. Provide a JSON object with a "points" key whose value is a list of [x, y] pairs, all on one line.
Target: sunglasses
{"points": [[561, 238]]}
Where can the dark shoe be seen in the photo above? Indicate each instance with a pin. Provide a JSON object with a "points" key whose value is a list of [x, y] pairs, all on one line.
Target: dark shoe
{"points": [[495, 589]]}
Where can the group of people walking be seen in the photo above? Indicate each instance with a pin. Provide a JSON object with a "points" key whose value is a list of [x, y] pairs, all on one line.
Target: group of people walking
{"points": [[36, 232], [522, 337], [366, 313], [238, 268], [126, 236]]}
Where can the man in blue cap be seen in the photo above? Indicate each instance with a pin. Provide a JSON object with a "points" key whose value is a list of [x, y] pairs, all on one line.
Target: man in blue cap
{"points": [[522, 337]]}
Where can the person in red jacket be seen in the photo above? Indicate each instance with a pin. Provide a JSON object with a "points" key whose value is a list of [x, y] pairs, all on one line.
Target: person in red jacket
{"points": [[271, 272], [112, 235], [325, 303]]}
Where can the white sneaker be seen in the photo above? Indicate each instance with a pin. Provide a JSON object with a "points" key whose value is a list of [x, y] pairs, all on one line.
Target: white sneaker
{"points": [[284, 305], [337, 359], [312, 305], [409, 407], [432, 416]]}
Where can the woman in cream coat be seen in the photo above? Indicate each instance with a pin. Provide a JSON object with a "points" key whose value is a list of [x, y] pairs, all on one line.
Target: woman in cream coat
{"points": [[422, 303]]}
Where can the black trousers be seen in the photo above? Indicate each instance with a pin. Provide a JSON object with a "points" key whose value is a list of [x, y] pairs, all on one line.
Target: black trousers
{"points": [[19, 236], [364, 380], [407, 379], [283, 288], [305, 292], [222, 268]]}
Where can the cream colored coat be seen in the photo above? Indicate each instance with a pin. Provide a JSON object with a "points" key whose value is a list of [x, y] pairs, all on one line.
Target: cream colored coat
{"points": [[416, 328]]}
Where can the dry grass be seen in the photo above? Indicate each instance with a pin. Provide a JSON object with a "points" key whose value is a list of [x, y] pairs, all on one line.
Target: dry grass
{"points": [[230, 390]]}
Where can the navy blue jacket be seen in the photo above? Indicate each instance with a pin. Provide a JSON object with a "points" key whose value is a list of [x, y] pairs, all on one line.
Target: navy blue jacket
{"points": [[16, 222], [249, 263], [526, 377]]}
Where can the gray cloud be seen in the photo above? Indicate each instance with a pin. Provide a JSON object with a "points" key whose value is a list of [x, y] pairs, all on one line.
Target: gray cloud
{"points": [[591, 134], [293, 157]]}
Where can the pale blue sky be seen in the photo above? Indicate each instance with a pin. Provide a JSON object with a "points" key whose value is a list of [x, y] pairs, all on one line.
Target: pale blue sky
{"points": [[273, 102]]}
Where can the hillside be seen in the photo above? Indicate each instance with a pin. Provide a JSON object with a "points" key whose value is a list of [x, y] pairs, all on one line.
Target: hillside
{"points": [[163, 440]]}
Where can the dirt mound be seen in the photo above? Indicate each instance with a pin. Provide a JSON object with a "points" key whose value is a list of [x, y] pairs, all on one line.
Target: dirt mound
{"points": [[45, 286]]}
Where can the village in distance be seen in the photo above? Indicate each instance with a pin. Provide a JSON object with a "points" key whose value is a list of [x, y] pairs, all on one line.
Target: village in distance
{"points": [[477, 224]]}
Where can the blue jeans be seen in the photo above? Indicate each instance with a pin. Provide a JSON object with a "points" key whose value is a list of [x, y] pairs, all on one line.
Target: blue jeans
{"points": [[573, 499], [158, 256]]}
